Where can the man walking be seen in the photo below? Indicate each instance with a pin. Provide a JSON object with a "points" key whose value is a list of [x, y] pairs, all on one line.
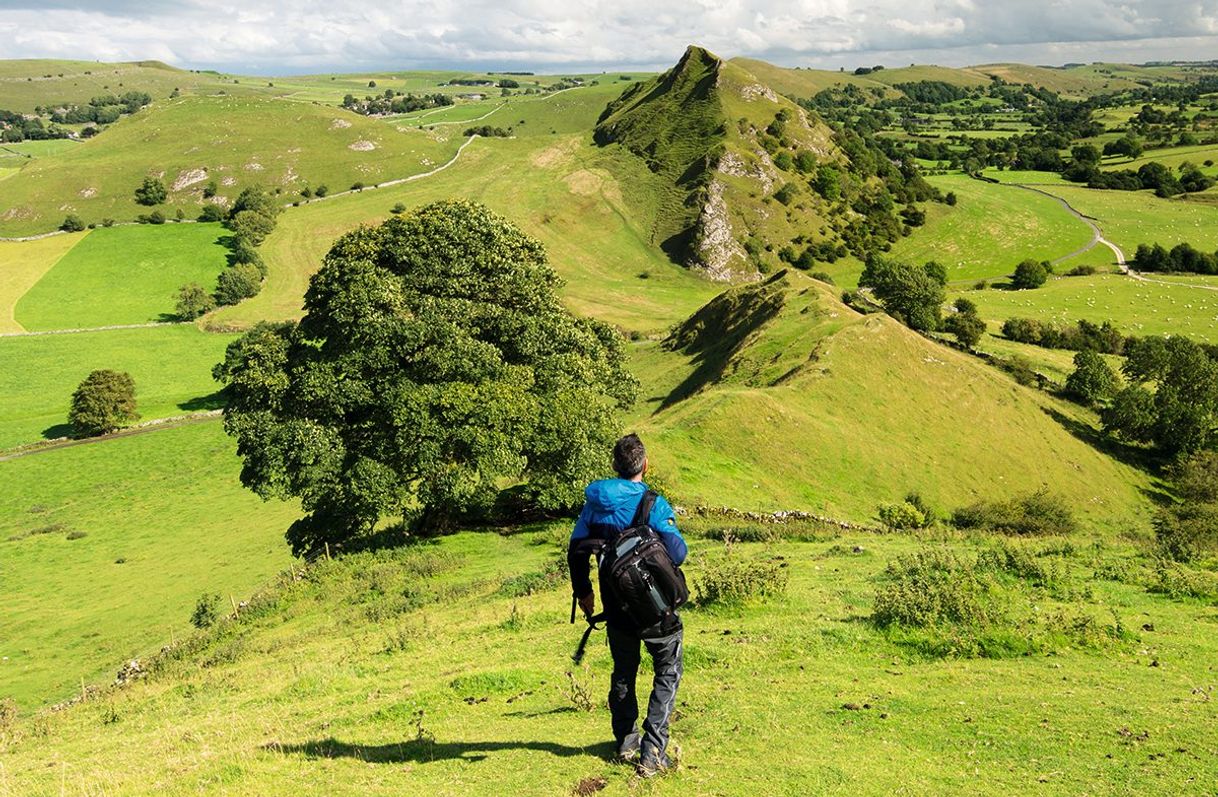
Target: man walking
{"points": [[610, 507]]}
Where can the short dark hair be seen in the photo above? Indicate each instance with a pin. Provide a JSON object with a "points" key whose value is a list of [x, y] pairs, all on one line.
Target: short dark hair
{"points": [[628, 456]]}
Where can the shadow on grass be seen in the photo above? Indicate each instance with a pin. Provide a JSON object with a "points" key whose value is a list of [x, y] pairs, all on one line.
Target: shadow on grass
{"points": [[212, 401], [424, 750], [57, 431], [1130, 455]]}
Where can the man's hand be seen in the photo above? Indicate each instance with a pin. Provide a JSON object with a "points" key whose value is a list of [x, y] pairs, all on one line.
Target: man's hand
{"points": [[588, 604]]}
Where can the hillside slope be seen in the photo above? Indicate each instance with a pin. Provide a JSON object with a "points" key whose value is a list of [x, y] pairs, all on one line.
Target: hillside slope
{"points": [[233, 141], [26, 83], [777, 396]]}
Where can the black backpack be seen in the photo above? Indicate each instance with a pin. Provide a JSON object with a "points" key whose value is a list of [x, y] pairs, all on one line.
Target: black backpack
{"points": [[646, 585]]}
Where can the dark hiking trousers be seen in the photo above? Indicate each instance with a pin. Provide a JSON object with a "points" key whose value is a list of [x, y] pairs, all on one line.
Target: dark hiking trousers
{"points": [[666, 656]]}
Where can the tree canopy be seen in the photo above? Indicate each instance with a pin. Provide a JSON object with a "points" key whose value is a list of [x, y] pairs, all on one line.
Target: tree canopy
{"points": [[909, 293], [434, 365]]}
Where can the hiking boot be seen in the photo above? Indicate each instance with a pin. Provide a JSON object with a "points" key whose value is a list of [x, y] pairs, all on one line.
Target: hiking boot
{"points": [[652, 763], [628, 748]]}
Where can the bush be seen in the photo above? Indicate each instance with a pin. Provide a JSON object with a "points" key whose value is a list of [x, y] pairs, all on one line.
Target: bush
{"points": [[207, 611], [966, 325], [1187, 532], [239, 282], [1030, 274], [103, 403], [193, 301], [72, 223], [822, 276], [732, 580], [901, 516], [321, 191], [1037, 513], [786, 194], [151, 192], [1092, 381], [398, 208], [930, 588], [211, 213], [1177, 581]]}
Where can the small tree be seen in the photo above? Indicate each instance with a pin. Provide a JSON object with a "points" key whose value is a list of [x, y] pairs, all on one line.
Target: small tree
{"points": [[193, 301], [211, 213], [1092, 381], [1030, 274], [207, 611], [104, 402], [151, 192], [965, 324], [72, 223], [239, 282]]}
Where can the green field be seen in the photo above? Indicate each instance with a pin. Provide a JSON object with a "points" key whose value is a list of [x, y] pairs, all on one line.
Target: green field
{"points": [[462, 688], [124, 275], [164, 519], [991, 230], [1136, 307], [235, 141], [22, 265], [171, 366]]}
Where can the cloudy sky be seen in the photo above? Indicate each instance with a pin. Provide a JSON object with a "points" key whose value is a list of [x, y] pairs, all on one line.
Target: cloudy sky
{"points": [[285, 36]]}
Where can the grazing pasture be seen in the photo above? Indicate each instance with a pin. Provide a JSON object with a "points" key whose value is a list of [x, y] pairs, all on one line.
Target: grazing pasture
{"points": [[171, 366], [22, 265], [124, 275]]}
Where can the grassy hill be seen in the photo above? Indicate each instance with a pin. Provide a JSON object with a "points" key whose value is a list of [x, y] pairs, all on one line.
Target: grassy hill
{"points": [[776, 395], [25, 263], [27, 83], [234, 141]]}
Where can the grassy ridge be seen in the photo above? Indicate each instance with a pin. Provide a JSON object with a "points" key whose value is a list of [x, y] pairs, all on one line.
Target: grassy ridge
{"points": [[24, 264], [124, 275], [798, 401], [171, 366], [25, 84], [168, 505], [459, 689]]}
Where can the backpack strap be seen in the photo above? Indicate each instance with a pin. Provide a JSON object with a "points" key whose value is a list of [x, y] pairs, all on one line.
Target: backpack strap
{"points": [[644, 511]]}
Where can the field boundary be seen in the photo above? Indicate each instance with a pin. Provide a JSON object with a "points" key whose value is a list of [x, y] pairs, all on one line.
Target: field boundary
{"points": [[149, 325], [153, 425]]}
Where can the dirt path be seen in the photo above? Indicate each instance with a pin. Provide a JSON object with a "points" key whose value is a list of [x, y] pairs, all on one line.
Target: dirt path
{"points": [[93, 329], [155, 425]]}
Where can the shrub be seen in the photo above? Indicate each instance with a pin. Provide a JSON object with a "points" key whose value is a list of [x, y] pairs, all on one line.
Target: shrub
{"points": [[398, 208], [104, 402], [151, 192], [929, 588], [1037, 513], [901, 516], [239, 282], [1187, 532], [207, 611], [321, 190], [822, 276], [785, 194], [357, 186], [211, 213], [1092, 381], [193, 301], [548, 578], [1030, 274], [1177, 581], [966, 325], [1085, 270], [72, 223], [733, 580]]}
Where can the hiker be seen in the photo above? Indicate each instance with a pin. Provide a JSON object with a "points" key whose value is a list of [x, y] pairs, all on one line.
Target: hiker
{"points": [[611, 507]]}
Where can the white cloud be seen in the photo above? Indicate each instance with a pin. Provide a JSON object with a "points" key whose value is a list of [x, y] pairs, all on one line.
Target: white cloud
{"points": [[295, 35]]}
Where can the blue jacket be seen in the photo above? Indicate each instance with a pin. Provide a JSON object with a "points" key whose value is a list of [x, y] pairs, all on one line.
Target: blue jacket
{"points": [[612, 503]]}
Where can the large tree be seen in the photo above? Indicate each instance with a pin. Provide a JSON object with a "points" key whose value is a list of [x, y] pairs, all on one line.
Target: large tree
{"points": [[434, 365], [104, 402], [912, 294]]}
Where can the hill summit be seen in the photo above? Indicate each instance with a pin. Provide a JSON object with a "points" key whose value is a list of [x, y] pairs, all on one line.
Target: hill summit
{"points": [[753, 181]]}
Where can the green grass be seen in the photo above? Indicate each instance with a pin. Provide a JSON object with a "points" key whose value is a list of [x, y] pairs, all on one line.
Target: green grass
{"points": [[25, 263], [813, 406], [459, 690], [1172, 157], [124, 275], [990, 230], [169, 506], [236, 140], [171, 366], [560, 189], [37, 149], [1136, 307]]}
